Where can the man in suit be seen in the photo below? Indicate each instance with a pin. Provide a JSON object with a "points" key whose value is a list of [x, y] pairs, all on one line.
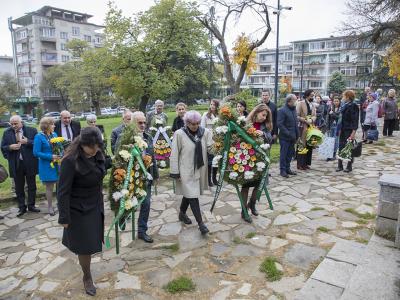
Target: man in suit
{"points": [[139, 118], [17, 148], [116, 132], [66, 127]]}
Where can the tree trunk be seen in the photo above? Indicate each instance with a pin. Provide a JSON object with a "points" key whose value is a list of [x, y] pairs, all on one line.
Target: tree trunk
{"points": [[143, 103]]}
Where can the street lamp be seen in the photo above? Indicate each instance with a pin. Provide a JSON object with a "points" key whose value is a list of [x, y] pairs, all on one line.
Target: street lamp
{"points": [[277, 12]]}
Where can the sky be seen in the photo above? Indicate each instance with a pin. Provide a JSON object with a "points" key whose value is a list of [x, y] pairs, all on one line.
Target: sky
{"points": [[308, 18]]}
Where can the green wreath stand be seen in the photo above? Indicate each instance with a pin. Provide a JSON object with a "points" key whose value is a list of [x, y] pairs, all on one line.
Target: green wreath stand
{"points": [[122, 212], [233, 127]]}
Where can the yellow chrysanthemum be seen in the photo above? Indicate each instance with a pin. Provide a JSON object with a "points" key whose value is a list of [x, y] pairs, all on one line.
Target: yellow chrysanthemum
{"points": [[253, 158], [231, 155], [241, 169], [235, 167]]}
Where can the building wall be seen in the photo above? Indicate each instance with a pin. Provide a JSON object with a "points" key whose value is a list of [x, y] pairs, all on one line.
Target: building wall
{"points": [[321, 57], [6, 65], [41, 45]]}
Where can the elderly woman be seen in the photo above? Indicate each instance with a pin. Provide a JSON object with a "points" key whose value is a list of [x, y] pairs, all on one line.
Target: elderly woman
{"points": [[371, 116], [157, 116], [348, 124], [42, 149], [390, 113], [188, 164]]}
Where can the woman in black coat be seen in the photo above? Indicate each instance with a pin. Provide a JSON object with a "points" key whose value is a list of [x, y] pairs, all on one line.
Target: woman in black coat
{"points": [[80, 199], [348, 125]]}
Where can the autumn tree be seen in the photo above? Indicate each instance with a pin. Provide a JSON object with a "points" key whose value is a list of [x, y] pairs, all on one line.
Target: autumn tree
{"points": [[392, 60], [242, 53], [229, 11]]}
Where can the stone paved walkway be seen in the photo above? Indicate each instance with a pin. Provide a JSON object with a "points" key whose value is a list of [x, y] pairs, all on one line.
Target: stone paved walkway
{"points": [[309, 218]]}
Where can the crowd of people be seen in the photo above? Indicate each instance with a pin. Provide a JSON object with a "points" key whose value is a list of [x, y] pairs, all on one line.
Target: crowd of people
{"points": [[79, 176]]}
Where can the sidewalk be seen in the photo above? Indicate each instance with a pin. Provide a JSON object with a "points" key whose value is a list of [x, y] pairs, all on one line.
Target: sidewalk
{"points": [[313, 211]]}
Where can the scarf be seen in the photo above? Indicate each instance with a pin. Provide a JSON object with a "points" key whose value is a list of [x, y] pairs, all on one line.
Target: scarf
{"points": [[198, 151]]}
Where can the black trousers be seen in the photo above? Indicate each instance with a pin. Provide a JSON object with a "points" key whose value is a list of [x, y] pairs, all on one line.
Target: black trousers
{"points": [[194, 205], [388, 127], [20, 177]]}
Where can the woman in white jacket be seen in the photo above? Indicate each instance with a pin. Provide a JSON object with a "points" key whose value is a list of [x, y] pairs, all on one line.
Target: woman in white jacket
{"points": [[371, 116], [188, 165]]}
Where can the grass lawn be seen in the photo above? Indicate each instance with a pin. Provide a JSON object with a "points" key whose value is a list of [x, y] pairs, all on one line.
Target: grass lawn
{"points": [[109, 124]]}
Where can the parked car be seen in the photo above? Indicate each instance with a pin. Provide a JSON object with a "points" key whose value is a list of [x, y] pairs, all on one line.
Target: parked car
{"points": [[4, 124], [54, 114]]}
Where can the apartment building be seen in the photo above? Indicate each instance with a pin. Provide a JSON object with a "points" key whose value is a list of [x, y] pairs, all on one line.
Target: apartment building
{"points": [[316, 60], [39, 41]]}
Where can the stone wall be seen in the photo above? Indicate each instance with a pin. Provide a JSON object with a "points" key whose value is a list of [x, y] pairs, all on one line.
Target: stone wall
{"points": [[388, 218]]}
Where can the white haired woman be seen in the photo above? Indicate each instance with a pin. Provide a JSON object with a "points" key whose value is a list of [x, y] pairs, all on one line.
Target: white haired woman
{"points": [[188, 164]]}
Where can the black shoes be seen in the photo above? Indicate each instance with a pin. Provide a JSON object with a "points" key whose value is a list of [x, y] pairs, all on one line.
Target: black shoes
{"points": [[290, 172], [284, 174], [90, 289], [349, 168], [33, 209], [21, 212], [184, 218], [252, 206], [248, 219], [145, 237], [340, 166], [203, 228]]}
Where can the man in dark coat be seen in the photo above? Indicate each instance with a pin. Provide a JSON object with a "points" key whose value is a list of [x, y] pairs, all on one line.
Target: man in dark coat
{"points": [[265, 98], [17, 148], [66, 127], [288, 134], [140, 119], [116, 132]]}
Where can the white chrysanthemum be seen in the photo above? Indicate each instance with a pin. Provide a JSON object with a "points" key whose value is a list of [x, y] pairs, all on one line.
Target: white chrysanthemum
{"points": [[265, 146], [158, 121], [134, 201], [162, 164], [125, 155], [233, 175], [244, 162], [216, 160], [124, 192], [141, 192], [117, 195], [245, 151], [215, 120], [153, 129], [232, 149], [140, 142], [221, 129], [128, 204], [237, 156], [260, 166], [248, 175], [241, 120]]}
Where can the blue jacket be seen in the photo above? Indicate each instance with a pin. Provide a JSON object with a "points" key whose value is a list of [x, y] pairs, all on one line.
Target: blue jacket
{"points": [[12, 156], [287, 124], [43, 151]]}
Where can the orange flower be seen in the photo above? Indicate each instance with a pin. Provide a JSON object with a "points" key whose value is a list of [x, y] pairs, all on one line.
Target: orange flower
{"points": [[147, 161], [251, 131], [120, 172], [226, 111]]}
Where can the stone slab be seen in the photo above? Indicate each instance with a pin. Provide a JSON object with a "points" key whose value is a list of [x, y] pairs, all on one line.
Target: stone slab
{"points": [[388, 209], [286, 219], [391, 194], [386, 227], [302, 256], [347, 251], [333, 272], [9, 284], [390, 180], [127, 281], [317, 290], [287, 284], [190, 239]]}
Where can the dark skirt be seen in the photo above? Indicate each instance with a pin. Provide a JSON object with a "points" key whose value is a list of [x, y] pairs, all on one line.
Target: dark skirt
{"points": [[250, 184], [85, 233]]}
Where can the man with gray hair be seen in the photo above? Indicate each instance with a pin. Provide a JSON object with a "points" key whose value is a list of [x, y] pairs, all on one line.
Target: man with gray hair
{"points": [[157, 117], [66, 127], [116, 132], [17, 148], [139, 118], [288, 134]]}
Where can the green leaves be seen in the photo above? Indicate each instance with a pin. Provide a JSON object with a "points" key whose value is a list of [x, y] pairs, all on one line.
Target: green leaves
{"points": [[337, 84]]}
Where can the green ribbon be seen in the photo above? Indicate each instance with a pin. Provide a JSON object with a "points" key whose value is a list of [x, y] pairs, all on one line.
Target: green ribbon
{"points": [[135, 155], [232, 127]]}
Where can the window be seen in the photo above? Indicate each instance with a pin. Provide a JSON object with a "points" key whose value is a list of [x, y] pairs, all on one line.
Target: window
{"points": [[87, 38], [316, 84], [97, 39], [27, 92], [348, 71], [288, 56], [47, 32], [63, 47], [75, 30], [32, 45], [289, 68], [316, 46], [315, 71], [42, 21], [64, 58], [268, 57], [64, 35], [265, 68], [52, 57]]}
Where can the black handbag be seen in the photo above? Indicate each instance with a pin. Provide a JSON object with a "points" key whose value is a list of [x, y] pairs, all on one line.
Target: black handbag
{"points": [[357, 149], [3, 174]]}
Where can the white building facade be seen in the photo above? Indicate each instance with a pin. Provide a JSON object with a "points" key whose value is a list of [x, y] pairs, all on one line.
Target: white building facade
{"points": [[316, 59], [40, 40], [6, 65]]}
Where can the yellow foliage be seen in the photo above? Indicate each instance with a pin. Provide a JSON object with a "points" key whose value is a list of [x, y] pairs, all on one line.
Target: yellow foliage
{"points": [[243, 53], [285, 85], [392, 60]]}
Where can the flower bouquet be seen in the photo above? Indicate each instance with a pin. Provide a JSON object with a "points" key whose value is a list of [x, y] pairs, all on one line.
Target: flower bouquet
{"points": [[345, 154], [314, 136], [239, 152], [128, 180], [162, 143], [58, 145]]}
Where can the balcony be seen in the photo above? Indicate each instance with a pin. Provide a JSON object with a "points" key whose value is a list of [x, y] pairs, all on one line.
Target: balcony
{"points": [[49, 62], [48, 39]]}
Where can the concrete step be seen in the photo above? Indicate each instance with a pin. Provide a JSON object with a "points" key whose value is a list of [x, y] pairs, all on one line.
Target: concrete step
{"points": [[354, 271]]}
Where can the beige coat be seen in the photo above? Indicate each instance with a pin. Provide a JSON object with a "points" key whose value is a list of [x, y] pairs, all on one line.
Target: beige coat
{"points": [[192, 182], [301, 109]]}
